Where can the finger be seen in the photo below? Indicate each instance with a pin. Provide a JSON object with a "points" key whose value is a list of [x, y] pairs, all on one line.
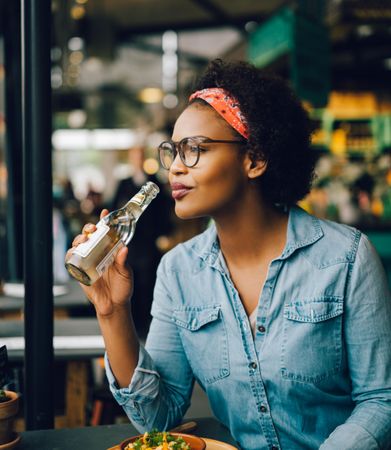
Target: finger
{"points": [[104, 213], [120, 263], [89, 228], [80, 238], [68, 254], [120, 259]]}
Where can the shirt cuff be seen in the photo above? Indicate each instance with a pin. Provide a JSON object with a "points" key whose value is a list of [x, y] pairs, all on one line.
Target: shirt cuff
{"points": [[144, 385], [350, 436]]}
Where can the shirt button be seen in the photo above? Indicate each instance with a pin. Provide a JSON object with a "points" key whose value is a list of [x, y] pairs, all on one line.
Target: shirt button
{"points": [[261, 329], [253, 365], [263, 408]]}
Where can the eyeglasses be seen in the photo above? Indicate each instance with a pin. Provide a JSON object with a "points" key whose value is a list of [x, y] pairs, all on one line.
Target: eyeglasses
{"points": [[189, 149]]}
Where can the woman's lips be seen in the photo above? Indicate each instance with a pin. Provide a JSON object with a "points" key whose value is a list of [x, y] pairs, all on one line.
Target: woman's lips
{"points": [[179, 190]]}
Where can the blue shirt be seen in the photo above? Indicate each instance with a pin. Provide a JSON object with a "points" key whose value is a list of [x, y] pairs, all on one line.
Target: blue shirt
{"points": [[317, 372]]}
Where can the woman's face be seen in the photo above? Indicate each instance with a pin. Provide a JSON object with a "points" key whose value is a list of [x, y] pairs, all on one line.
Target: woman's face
{"points": [[218, 180]]}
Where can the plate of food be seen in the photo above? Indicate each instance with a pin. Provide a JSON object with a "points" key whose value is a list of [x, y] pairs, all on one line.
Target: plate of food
{"points": [[162, 440]]}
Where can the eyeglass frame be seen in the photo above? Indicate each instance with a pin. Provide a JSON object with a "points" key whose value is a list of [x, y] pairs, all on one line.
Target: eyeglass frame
{"points": [[176, 146]]}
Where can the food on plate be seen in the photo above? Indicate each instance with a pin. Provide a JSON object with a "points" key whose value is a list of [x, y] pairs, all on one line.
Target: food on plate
{"points": [[157, 440]]}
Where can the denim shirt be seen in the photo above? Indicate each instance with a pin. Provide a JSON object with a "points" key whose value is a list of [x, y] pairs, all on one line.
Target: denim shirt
{"points": [[317, 372]]}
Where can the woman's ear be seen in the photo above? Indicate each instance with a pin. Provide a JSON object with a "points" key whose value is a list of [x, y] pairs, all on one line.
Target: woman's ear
{"points": [[255, 168]]}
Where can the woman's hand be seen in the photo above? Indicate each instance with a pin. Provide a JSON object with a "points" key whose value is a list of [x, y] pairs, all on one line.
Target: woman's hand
{"points": [[113, 290]]}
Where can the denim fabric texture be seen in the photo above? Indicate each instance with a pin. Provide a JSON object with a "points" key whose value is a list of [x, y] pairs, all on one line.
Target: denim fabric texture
{"points": [[317, 372]]}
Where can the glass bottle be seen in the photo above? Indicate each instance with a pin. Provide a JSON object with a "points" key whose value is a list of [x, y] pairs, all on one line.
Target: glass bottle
{"points": [[91, 259]]}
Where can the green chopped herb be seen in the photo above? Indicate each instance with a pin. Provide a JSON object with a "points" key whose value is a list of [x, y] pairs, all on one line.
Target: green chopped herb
{"points": [[154, 439]]}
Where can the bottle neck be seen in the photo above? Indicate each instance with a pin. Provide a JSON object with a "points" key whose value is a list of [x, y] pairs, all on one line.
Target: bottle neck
{"points": [[137, 204]]}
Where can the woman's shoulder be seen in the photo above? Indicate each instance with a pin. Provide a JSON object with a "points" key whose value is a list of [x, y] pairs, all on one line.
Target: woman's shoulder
{"points": [[335, 243], [344, 236]]}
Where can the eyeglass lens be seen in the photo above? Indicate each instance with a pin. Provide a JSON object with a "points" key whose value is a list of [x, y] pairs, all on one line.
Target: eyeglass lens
{"points": [[167, 153], [188, 152]]}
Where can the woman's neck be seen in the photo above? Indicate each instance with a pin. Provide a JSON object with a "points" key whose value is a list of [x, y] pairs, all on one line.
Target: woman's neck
{"points": [[253, 230]]}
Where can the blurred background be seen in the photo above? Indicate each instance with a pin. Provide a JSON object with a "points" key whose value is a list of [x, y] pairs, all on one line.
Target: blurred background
{"points": [[121, 72]]}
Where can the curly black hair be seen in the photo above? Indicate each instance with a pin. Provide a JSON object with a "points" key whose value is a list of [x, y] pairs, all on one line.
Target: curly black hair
{"points": [[279, 127]]}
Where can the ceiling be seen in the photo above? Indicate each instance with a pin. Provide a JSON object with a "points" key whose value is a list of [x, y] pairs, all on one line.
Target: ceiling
{"points": [[149, 16], [123, 40], [127, 34]]}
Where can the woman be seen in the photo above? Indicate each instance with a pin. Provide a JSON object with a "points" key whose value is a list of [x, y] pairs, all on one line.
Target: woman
{"points": [[283, 319]]}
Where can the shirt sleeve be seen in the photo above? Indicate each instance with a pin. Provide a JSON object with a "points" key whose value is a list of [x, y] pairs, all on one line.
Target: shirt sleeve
{"points": [[159, 392], [367, 330]]}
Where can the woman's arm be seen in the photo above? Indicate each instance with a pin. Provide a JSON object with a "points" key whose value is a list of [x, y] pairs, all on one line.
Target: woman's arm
{"points": [[110, 296], [121, 343], [367, 333], [154, 391], [160, 389]]}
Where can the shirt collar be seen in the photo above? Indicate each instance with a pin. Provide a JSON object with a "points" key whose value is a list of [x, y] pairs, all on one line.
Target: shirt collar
{"points": [[208, 248], [303, 229]]}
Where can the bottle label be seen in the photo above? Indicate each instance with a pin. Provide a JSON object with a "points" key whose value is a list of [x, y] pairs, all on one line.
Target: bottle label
{"points": [[109, 258], [85, 248], [139, 198]]}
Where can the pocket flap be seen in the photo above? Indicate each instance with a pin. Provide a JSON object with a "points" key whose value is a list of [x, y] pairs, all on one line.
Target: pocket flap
{"points": [[194, 318], [314, 310]]}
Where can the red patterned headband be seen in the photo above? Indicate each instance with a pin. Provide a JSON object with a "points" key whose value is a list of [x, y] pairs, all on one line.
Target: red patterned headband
{"points": [[226, 105]]}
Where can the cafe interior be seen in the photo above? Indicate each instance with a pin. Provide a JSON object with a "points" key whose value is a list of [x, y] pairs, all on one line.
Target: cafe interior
{"points": [[88, 89]]}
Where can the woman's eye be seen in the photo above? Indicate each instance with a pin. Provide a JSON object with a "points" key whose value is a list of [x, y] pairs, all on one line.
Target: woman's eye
{"points": [[193, 148]]}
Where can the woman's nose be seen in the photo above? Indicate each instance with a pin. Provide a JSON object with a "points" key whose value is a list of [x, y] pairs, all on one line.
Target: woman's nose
{"points": [[177, 165]]}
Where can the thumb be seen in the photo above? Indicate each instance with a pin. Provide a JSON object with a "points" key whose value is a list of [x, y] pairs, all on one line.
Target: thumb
{"points": [[120, 262], [121, 256]]}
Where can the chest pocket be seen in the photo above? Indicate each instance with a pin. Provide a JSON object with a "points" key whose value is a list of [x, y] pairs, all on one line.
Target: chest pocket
{"points": [[205, 341], [312, 339]]}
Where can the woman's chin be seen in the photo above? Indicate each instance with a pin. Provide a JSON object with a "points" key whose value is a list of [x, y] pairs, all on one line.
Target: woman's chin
{"points": [[186, 213], [183, 214]]}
